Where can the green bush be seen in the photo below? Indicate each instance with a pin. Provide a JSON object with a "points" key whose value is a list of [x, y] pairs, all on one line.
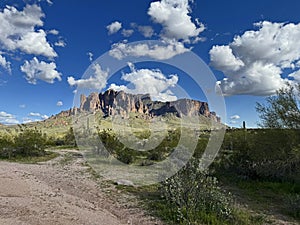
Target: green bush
{"points": [[6, 146], [272, 154], [69, 138], [30, 142], [293, 202], [193, 193], [126, 155]]}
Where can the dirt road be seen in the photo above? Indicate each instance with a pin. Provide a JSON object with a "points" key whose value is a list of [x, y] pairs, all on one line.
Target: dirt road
{"points": [[64, 192]]}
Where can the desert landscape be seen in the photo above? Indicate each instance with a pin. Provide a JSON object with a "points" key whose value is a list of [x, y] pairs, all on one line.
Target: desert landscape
{"points": [[176, 112]]}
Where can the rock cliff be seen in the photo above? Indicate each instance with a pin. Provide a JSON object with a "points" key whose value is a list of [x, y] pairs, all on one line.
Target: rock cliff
{"points": [[120, 103]]}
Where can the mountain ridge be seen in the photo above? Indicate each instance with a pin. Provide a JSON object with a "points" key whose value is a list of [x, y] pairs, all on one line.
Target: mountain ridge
{"points": [[121, 103]]}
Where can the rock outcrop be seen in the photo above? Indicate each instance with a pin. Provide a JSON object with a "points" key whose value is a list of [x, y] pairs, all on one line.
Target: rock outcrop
{"points": [[120, 103]]}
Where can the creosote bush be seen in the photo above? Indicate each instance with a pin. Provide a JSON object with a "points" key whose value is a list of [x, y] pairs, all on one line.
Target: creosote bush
{"points": [[30, 142], [193, 193], [272, 154], [27, 143]]}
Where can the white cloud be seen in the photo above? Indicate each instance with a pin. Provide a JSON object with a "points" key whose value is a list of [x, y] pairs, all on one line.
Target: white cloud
{"points": [[146, 31], [36, 70], [6, 115], [18, 31], [146, 81], [222, 58], [59, 103], [174, 16], [160, 52], [36, 43], [49, 2], [28, 120], [127, 33], [44, 117], [235, 117], [90, 55], [178, 29], [53, 32], [114, 27], [295, 75], [38, 117], [23, 106], [97, 81], [5, 64], [8, 119], [255, 61], [60, 43], [34, 114]]}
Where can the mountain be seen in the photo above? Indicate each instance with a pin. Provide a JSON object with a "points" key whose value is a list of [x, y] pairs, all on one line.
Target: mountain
{"points": [[121, 103]]}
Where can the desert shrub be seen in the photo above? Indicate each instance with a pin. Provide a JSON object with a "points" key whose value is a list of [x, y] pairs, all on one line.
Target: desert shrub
{"points": [[6, 146], [143, 135], [293, 203], [115, 147], [193, 193], [69, 138], [30, 142], [110, 141], [263, 154], [200, 148], [155, 155], [126, 155]]}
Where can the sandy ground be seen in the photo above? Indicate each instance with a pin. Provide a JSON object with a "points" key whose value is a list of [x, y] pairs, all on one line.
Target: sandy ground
{"points": [[60, 192]]}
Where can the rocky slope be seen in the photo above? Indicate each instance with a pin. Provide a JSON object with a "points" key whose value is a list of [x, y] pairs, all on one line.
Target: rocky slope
{"points": [[120, 103]]}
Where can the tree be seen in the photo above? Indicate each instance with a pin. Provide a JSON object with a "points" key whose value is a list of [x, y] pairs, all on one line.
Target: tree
{"points": [[281, 110]]}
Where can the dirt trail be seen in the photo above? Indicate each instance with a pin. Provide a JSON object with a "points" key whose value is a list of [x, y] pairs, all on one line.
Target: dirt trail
{"points": [[61, 192]]}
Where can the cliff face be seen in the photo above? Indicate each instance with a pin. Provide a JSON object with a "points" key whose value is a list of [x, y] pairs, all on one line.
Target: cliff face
{"points": [[120, 103]]}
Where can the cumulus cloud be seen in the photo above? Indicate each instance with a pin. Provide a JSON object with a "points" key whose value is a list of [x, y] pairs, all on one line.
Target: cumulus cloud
{"points": [[127, 33], [160, 52], [114, 27], [223, 59], [36, 70], [146, 31], [98, 80], [5, 64], [146, 81], [59, 103], [36, 43], [178, 30], [8, 119], [255, 61], [174, 16], [295, 75], [18, 31]]}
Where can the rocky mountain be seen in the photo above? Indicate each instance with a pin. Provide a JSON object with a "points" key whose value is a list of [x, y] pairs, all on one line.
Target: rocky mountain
{"points": [[120, 103]]}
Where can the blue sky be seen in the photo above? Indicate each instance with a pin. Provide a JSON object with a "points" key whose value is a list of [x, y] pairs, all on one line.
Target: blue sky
{"points": [[46, 46]]}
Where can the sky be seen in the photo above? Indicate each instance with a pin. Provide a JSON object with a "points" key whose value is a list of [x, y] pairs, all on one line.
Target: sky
{"points": [[46, 46]]}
